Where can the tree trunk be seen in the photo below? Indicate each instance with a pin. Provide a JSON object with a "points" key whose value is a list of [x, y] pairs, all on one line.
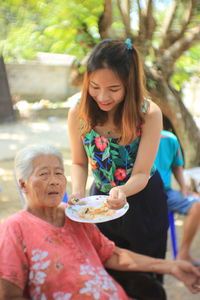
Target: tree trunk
{"points": [[7, 113], [105, 20], [183, 123]]}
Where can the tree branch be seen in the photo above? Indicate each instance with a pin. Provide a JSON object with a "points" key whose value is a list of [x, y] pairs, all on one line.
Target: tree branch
{"points": [[189, 12], [146, 26], [141, 31], [152, 73], [168, 23], [105, 20], [170, 55], [150, 22], [124, 8]]}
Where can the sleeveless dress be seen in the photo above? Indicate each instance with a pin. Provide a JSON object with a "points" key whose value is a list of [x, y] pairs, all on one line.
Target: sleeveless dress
{"points": [[143, 229]]}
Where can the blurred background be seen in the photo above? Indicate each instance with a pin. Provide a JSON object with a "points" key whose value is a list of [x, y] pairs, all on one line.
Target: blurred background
{"points": [[43, 49]]}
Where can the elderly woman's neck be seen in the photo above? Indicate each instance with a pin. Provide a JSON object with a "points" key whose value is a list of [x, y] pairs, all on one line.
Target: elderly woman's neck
{"points": [[54, 216]]}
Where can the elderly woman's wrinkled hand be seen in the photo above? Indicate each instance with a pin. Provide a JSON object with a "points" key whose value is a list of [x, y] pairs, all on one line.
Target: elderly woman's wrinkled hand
{"points": [[189, 274], [116, 198]]}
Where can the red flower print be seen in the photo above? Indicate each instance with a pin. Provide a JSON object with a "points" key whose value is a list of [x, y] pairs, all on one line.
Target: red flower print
{"points": [[112, 183], [120, 174], [101, 142]]}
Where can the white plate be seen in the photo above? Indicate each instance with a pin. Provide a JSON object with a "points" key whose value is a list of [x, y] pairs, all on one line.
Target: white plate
{"points": [[72, 211]]}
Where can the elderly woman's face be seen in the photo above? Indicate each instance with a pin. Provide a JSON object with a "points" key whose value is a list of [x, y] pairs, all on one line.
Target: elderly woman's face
{"points": [[47, 183]]}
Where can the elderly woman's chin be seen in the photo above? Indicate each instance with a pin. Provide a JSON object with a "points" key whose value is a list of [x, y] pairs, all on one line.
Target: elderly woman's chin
{"points": [[54, 198]]}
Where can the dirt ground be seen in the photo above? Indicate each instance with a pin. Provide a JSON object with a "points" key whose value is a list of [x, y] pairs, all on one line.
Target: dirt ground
{"points": [[11, 202]]}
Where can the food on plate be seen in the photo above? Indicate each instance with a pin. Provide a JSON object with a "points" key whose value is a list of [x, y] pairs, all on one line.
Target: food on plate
{"points": [[90, 213], [77, 201], [93, 209]]}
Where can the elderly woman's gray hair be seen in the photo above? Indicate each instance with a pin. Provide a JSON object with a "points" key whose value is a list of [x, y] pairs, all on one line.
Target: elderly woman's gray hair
{"points": [[24, 159]]}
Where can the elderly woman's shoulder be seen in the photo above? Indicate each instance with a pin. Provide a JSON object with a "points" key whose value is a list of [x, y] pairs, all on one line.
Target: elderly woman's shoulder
{"points": [[13, 219]]}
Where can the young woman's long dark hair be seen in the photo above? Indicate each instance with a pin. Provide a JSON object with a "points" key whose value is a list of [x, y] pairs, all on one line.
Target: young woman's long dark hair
{"points": [[126, 64]]}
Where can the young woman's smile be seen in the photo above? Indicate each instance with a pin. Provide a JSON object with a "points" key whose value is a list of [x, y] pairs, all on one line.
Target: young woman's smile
{"points": [[106, 89]]}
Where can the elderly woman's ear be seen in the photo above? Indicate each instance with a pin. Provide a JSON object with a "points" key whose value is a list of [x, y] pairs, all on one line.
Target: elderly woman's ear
{"points": [[22, 185]]}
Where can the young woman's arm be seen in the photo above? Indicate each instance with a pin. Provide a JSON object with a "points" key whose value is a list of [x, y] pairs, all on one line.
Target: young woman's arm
{"points": [[148, 147], [79, 169]]}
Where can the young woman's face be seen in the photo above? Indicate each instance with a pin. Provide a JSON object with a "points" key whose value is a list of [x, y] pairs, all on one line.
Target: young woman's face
{"points": [[106, 89]]}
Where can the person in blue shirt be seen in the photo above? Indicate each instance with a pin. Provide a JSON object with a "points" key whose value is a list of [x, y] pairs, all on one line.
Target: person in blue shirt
{"points": [[169, 160]]}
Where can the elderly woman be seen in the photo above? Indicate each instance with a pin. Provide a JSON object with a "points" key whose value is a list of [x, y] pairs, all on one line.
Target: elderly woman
{"points": [[44, 255]]}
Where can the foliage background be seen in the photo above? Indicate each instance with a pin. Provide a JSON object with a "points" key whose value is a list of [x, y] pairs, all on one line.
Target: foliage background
{"points": [[72, 27]]}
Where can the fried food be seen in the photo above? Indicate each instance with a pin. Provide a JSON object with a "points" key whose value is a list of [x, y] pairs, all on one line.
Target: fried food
{"points": [[75, 201], [91, 213]]}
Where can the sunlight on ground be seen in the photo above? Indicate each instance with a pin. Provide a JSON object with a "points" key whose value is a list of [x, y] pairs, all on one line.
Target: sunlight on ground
{"points": [[39, 126], [67, 164], [4, 199], [6, 175], [2, 172], [10, 136], [179, 222]]}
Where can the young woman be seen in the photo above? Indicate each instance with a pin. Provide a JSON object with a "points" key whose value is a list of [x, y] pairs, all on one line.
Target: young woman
{"points": [[117, 130]]}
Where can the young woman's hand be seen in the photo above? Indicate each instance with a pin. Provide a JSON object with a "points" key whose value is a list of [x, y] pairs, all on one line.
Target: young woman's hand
{"points": [[74, 198], [116, 198]]}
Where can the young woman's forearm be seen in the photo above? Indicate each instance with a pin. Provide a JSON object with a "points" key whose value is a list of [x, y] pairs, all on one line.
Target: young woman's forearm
{"points": [[79, 174], [135, 184]]}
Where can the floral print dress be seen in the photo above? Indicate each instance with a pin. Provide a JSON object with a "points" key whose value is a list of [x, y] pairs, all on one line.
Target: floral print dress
{"points": [[110, 162]]}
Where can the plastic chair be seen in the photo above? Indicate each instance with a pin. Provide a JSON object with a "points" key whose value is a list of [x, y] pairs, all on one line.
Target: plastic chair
{"points": [[65, 198], [172, 228]]}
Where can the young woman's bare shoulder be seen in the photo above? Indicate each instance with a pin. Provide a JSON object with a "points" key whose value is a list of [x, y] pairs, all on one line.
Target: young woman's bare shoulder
{"points": [[73, 112], [153, 107], [154, 110], [73, 109]]}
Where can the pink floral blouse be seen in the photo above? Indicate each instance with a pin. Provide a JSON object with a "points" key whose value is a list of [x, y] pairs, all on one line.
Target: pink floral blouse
{"points": [[56, 263]]}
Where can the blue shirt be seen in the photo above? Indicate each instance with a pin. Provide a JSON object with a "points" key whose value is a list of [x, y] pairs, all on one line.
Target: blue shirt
{"points": [[169, 155]]}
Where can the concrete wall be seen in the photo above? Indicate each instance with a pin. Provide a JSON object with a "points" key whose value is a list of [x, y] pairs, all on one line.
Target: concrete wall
{"points": [[46, 78], [191, 95]]}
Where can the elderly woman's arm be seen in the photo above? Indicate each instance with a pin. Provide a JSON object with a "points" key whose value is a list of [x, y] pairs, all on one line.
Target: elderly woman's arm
{"points": [[126, 260], [9, 291]]}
